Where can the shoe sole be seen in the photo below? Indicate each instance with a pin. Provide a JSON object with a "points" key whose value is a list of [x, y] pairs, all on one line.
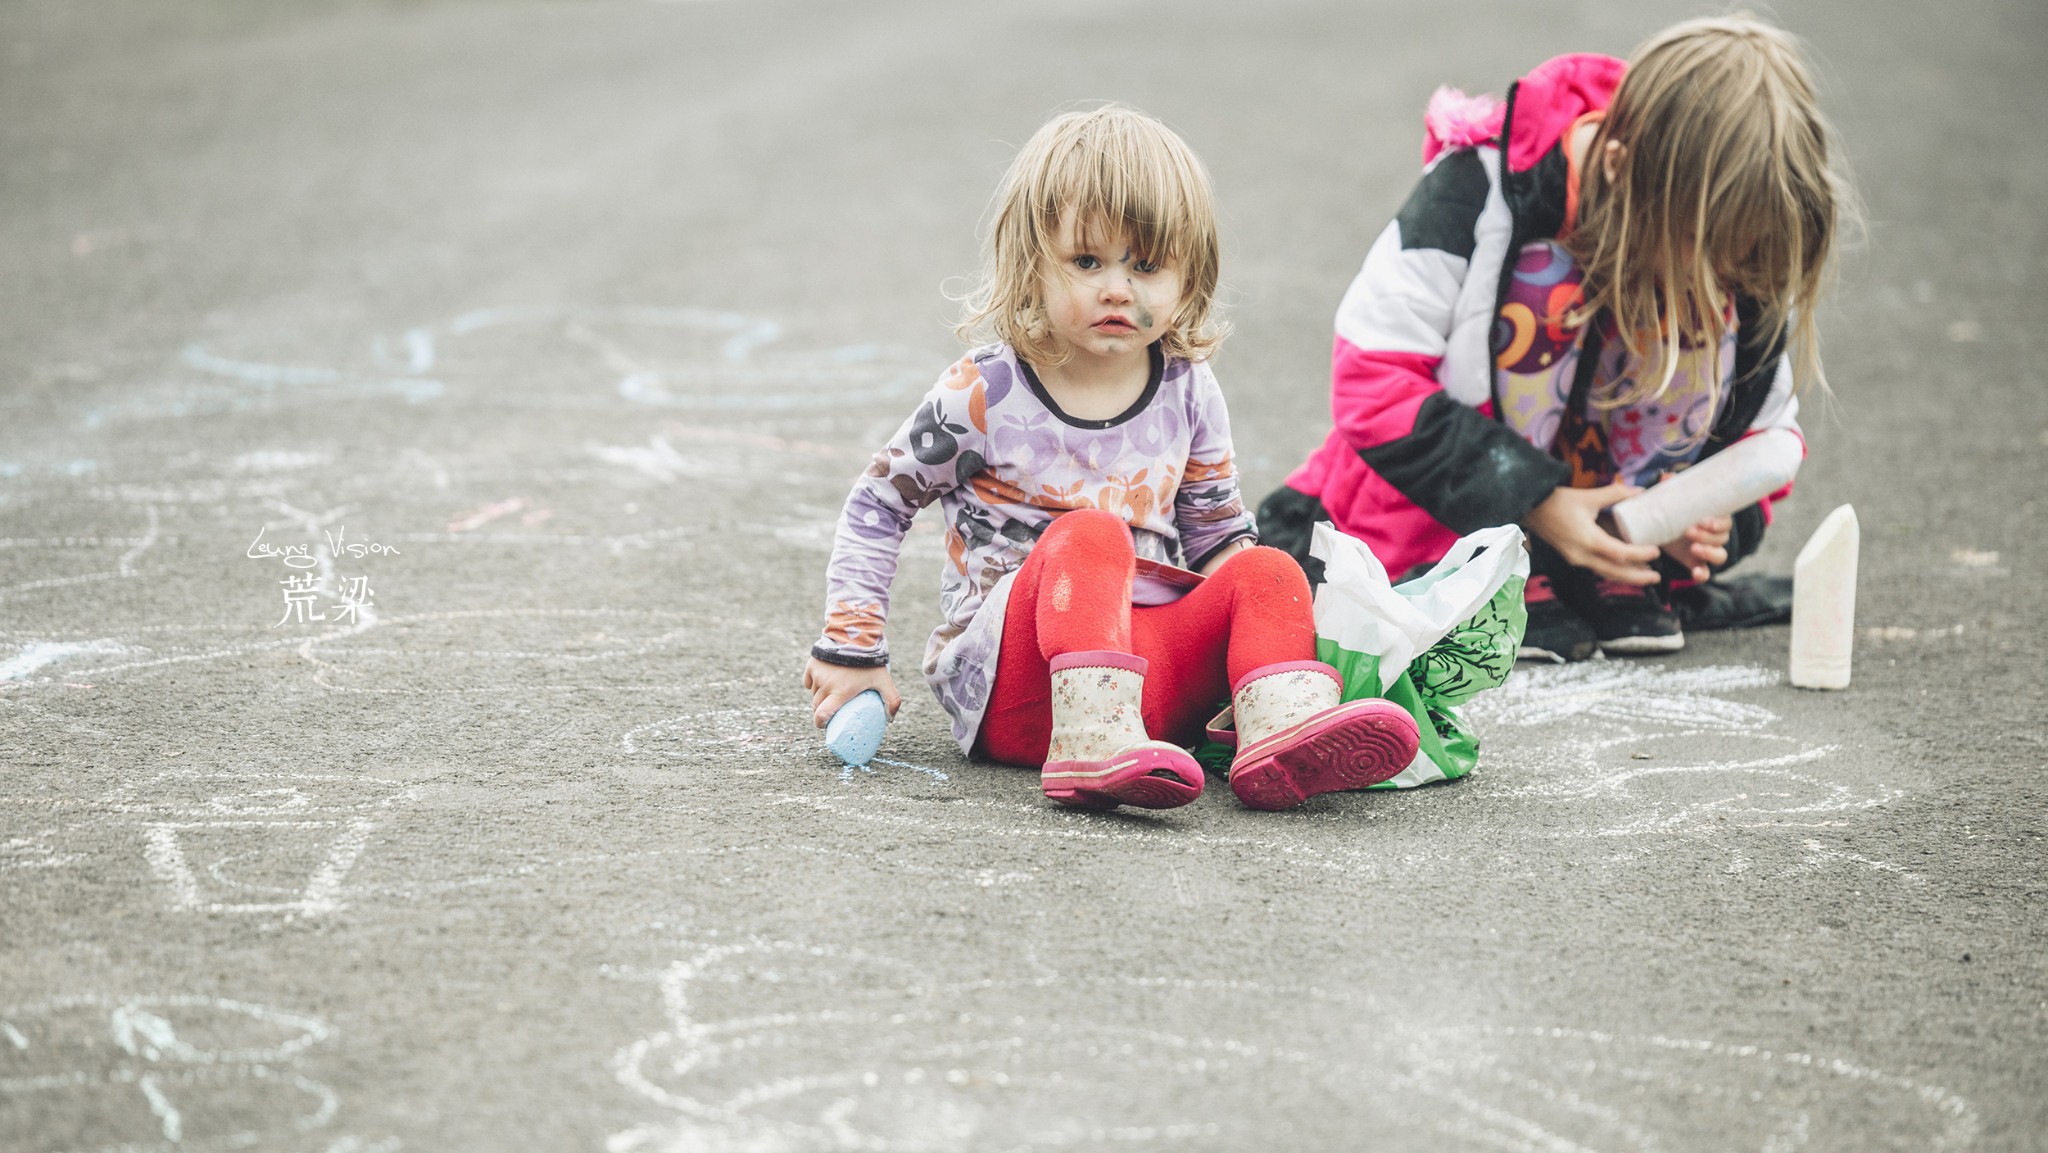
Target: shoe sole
{"points": [[1539, 653], [1365, 743], [1127, 779], [1641, 646]]}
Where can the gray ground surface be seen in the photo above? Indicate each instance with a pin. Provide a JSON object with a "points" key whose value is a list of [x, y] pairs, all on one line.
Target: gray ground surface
{"points": [[590, 311]]}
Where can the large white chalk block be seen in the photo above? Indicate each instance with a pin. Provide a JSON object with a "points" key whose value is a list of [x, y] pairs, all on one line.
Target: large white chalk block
{"points": [[1734, 478], [1824, 603]]}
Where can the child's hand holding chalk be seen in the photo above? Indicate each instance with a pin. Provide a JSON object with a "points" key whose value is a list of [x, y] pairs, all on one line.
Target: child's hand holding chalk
{"points": [[854, 734], [833, 685], [1703, 546], [1569, 519]]}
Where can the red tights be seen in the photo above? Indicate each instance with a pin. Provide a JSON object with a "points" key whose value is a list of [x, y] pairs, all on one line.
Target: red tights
{"points": [[1074, 595]]}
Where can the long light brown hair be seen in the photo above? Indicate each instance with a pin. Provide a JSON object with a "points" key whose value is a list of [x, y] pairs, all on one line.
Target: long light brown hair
{"points": [[1112, 169], [1728, 183]]}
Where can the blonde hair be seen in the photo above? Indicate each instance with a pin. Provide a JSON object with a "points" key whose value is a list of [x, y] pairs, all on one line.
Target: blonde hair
{"points": [[1727, 183], [1111, 168]]}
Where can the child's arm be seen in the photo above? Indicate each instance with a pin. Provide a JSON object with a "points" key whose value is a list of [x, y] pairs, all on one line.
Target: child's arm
{"points": [[1208, 507], [1394, 334], [934, 451]]}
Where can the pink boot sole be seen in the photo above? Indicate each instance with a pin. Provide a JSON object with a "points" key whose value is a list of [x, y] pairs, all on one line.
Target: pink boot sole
{"points": [[1125, 779], [1349, 747]]}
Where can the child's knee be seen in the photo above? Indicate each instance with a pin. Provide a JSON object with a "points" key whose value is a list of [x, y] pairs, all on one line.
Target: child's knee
{"points": [[1089, 530], [1266, 568]]}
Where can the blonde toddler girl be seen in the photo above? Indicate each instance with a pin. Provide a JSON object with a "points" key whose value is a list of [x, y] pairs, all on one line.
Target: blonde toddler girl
{"points": [[1080, 460]]}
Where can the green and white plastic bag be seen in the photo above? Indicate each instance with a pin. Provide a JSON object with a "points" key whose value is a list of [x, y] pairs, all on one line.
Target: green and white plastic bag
{"points": [[1429, 644]]}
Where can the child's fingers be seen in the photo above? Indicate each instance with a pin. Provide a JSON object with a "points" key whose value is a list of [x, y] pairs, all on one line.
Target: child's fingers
{"points": [[822, 710], [1619, 551], [1627, 572], [1614, 493]]}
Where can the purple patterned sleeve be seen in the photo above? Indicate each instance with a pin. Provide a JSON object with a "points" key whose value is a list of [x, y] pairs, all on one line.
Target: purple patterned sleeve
{"points": [[1208, 509], [938, 449]]}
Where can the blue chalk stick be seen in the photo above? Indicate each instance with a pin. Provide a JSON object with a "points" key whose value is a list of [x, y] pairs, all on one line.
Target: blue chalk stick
{"points": [[854, 733]]}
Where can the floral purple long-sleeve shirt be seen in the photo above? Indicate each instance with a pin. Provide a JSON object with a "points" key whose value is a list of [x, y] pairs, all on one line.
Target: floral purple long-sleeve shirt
{"points": [[1002, 460]]}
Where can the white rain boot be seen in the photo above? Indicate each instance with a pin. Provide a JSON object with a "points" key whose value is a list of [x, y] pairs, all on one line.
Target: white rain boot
{"points": [[1100, 755], [1295, 740]]}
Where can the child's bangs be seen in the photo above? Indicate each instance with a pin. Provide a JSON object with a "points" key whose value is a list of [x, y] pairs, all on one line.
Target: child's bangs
{"points": [[1125, 182], [1122, 192]]}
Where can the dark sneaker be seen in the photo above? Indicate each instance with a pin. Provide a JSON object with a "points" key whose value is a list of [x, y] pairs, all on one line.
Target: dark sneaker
{"points": [[1744, 602], [1631, 620], [1555, 633]]}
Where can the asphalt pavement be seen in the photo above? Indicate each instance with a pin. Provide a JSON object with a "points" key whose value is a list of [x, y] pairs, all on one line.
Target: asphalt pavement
{"points": [[421, 428]]}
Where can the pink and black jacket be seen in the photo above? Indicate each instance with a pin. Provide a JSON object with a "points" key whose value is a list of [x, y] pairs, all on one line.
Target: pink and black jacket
{"points": [[1417, 456]]}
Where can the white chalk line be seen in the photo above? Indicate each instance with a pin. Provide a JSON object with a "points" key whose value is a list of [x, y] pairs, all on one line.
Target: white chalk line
{"points": [[1647, 707], [163, 1066], [658, 460], [408, 619], [61, 582], [327, 381], [77, 541], [745, 373], [41, 654], [133, 1019], [1818, 853], [255, 384], [980, 878], [164, 850], [290, 793], [301, 803], [1038, 821], [172, 1122], [911, 1016], [1962, 1124], [124, 566], [22, 853], [1680, 697], [691, 725]]}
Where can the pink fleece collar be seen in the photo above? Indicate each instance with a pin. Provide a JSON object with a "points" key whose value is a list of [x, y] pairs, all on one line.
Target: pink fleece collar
{"points": [[1547, 101]]}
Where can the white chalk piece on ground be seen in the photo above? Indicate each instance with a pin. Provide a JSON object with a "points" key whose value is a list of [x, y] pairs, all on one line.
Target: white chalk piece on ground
{"points": [[1734, 478], [854, 734], [1824, 603]]}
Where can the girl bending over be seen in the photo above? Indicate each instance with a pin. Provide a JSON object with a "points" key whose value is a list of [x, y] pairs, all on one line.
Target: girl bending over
{"points": [[1604, 278]]}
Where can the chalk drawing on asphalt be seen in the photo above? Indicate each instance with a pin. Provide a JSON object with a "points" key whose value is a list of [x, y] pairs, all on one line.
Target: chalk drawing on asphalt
{"points": [[679, 358], [702, 359], [774, 1046], [228, 384], [35, 850], [253, 842], [714, 857], [1643, 751], [432, 654], [1570, 740], [125, 562], [167, 1072]]}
